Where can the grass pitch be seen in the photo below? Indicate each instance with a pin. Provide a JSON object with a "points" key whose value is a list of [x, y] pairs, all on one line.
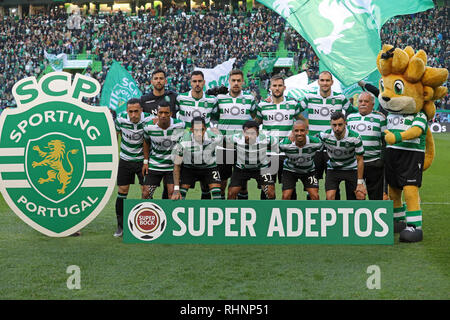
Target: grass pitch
{"points": [[34, 266]]}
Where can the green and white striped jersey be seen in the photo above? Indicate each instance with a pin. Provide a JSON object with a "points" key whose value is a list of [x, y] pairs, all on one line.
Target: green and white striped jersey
{"points": [[371, 129], [278, 119], [320, 109], [252, 156], [300, 160], [400, 123], [132, 136], [232, 112], [162, 143], [199, 155], [342, 153], [188, 107]]}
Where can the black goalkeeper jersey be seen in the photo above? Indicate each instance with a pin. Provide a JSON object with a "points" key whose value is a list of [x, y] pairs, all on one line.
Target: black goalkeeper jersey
{"points": [[150, 102]]}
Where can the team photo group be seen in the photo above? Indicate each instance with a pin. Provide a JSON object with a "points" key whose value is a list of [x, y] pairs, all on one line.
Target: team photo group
{"points": [[222, 138]]}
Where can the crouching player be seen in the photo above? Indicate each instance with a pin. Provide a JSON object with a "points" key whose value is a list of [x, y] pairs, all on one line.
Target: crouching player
{"points": [[252, 160], [195, 159], [299, 162]]}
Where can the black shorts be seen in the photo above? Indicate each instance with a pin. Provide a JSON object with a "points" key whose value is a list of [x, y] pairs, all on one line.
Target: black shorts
{"points": [[154, 177], [225, 170], [206, 176], [335, 177], [276, 165], [290, 178], [403, 167], [241, 176], [127, 171], [320, 162], [374, 176]]}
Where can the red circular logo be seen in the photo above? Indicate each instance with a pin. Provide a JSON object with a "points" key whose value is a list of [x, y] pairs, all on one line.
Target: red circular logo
{"points": [[147, 220]]}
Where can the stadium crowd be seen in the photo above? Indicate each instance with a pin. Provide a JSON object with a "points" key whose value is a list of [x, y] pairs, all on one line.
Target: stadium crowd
{"points": [[177, 42], [141, 43], [424, 30]]}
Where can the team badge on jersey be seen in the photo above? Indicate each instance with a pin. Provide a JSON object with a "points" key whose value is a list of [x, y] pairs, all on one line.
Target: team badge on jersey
{"points": [[58, 155]]}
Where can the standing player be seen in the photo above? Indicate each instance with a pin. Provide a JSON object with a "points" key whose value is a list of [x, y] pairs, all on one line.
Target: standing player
{"points": [[159, 140], [320, 104], [195, 103], [299, 163], [232, 111], [130, 126], [159, 95], [195, 159], [370, 126], [346, 163], [236, 107], [252, 161], [376, 92], [277, 118]]}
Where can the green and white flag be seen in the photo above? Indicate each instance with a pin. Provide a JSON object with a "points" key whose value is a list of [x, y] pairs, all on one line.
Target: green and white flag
{"points": [[355, 90], [119, 87], [345, 34], [57, 62]]}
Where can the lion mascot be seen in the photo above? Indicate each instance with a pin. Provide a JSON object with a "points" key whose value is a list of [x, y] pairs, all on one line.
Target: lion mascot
{"points": [[408, 89]]}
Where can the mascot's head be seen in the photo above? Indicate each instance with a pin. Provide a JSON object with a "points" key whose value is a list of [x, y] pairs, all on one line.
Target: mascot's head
{"points": [[407, 85]]}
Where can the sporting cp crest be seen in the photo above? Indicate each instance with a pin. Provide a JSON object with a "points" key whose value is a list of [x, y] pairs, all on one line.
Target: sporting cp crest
{"points": [[58, 155]]}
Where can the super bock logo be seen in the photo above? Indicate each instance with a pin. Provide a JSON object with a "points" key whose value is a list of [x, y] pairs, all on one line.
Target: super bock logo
{"points": [[58, 155]]}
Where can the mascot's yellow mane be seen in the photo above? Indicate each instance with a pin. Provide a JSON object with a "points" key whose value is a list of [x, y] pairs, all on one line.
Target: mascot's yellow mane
{"points": [[408, 82]]}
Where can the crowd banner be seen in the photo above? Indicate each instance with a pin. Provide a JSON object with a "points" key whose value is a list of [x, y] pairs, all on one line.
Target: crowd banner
{"points": [[119, 87], [57, 62], [217, 76], [258, 222], [344, 34]]}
